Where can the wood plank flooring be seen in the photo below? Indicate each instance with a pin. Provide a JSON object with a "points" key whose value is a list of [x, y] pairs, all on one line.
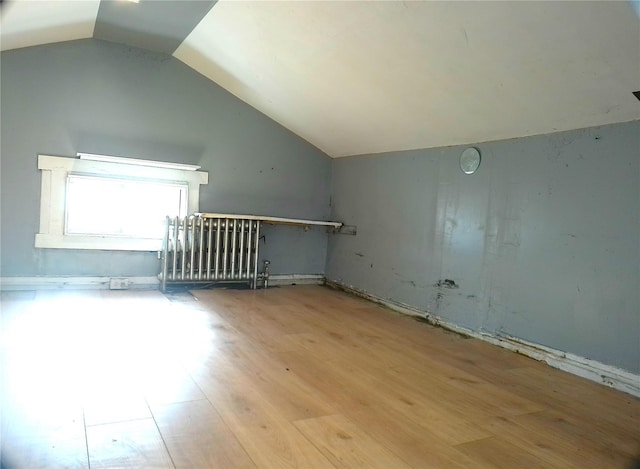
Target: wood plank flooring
{"points": [[291, 377]]}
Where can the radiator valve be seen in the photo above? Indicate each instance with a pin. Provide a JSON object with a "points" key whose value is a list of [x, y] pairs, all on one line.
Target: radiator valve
{"points": [[265, 274]]}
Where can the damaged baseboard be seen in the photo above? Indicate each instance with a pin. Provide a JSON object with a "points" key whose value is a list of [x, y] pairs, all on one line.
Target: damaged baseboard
{"points": [[592, 370], [295, 279], [608, 375]]}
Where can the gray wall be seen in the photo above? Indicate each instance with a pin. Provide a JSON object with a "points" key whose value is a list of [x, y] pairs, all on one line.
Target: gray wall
{"points": [[98, 97], [542, 242]]}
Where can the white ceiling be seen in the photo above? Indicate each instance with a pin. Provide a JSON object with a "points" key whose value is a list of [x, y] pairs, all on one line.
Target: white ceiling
{"points": [[369, 77]]}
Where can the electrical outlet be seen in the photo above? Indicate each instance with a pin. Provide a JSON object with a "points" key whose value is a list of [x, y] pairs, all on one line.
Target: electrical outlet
{"points": [[119, 283]]}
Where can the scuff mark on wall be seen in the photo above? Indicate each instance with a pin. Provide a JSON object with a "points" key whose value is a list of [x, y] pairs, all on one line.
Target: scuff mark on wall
{"points": [[447, 283]]}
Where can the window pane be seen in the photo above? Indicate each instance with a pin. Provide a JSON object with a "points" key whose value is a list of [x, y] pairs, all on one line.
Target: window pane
{"points": [[120, 207]]}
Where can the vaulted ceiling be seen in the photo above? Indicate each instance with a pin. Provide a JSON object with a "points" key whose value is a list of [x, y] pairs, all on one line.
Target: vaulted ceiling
{"points": [[360, 77]]}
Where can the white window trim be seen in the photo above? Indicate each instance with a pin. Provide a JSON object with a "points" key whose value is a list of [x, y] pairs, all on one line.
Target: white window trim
{"points": [[55, 170]]}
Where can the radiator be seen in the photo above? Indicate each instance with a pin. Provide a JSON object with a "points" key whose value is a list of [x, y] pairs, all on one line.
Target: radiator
{"points": [[210, 249]]}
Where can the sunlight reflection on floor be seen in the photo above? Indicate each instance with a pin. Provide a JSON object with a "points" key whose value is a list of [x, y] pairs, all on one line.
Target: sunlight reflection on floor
{"points": [[71, 359]]}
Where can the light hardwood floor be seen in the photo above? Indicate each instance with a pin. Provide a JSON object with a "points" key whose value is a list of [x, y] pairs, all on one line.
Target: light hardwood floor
{"points": [[300, 376]]}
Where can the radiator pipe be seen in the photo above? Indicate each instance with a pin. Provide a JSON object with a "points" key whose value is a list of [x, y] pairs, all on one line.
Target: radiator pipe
{"points": [[165, 253], [193, 231], [201, 248], [185, 246], [175, 248], [209, 247], [234, 236], [257, 254], [241, 251], [250, 228], [217, 261], [225, 253]]}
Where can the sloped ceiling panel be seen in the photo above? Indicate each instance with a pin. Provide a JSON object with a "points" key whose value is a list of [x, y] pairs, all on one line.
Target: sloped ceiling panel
{"points": [[368, 77], [27, 24], [159, 26]]}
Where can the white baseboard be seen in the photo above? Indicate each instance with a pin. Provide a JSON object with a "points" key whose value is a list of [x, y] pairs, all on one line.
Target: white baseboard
{"points": [[593, 370], [73, 283], [135, 283]]}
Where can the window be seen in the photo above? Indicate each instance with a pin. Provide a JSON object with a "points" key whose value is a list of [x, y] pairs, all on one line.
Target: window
{"points": [[121, 207], [111, 204]]}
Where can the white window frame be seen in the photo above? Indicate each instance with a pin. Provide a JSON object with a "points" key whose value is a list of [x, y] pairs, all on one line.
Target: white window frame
{"points": [[55, 170]]}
